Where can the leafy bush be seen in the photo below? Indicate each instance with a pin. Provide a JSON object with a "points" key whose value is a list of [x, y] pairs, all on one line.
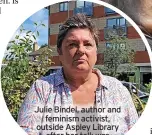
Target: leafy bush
{"points": [[21, 72], [148, 86]]}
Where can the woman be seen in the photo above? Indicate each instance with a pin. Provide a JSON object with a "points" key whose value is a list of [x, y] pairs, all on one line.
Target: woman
{"points": [[140, 11], [78, 85]]}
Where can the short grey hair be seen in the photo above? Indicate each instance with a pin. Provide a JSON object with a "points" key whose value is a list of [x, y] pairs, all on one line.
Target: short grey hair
{"points": [[77, 21]]}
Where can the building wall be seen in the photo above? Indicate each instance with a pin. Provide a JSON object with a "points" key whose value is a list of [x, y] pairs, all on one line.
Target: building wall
{"points": [[99, 17], [99, 22]]}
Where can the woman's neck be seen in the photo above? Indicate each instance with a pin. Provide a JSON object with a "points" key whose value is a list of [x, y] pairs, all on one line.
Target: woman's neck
{"points": [[77, 79]]}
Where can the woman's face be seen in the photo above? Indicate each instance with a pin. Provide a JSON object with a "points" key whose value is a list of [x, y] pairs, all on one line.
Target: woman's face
{"points": [[78, 51]]}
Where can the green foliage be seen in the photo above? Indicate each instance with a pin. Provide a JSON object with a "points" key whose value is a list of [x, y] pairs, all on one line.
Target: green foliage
{"points": [[21, 72], [138, 104], [119, 59], [118, 56], [148, 87]]}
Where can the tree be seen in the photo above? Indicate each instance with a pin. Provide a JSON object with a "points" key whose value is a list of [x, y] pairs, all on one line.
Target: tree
{"points": [[21, 72], [118, 57]]}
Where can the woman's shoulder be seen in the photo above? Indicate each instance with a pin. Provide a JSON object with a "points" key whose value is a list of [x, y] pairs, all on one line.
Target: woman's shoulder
{"points": [[50, 79], [107, 80], [44, 86], [111, 84], [116, 87]]}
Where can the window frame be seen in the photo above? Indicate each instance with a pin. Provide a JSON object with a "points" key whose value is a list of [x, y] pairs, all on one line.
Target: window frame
{"points": [[108, 43], [64, 9], [117, 21], [109, 11], [84, 4]]}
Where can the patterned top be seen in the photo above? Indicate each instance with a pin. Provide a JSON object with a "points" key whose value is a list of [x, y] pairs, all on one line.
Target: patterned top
{"points": [[50, 91]]}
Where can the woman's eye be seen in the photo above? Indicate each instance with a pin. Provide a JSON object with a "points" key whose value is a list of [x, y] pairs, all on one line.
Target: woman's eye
{"points": [[88, 44], [73, 45]]}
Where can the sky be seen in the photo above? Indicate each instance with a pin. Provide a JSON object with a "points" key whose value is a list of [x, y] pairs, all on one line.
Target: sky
{"points": [[28, 24]]}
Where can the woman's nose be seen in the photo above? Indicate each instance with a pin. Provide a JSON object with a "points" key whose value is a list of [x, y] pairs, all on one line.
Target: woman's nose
{"points": [[81, 49]]}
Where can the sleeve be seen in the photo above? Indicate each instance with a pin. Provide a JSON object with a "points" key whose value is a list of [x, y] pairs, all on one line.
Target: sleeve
{"points": [[131, 115], [28, 117]]}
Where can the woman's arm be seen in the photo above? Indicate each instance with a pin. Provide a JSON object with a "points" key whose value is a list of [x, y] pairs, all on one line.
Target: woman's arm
{"points": [[131, 115], [28, 117]]}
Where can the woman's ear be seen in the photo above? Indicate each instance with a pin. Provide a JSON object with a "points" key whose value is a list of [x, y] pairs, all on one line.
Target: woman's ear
{"points": [[60, 55], [59, 51]]}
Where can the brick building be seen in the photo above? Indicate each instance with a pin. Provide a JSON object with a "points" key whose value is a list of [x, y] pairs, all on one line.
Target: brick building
{"points": [[104, 19]]}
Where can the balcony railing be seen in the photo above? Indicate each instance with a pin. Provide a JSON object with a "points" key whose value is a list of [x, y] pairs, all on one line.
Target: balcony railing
{"points": [[115, 31], [86, 10]]}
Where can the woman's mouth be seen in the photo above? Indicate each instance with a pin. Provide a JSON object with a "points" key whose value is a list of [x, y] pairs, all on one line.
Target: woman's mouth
{"points": [[80, 60]]}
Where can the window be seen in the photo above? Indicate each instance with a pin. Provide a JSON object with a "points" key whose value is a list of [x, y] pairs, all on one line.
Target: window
{"points": [[116, 46], [109, 11], [83, 4], [113, 46], [88, 4], [122, 45], [84, 7], [80, 4], [115, 26], [108, 45], [49, 32], [63, 6], [116, 22]]}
